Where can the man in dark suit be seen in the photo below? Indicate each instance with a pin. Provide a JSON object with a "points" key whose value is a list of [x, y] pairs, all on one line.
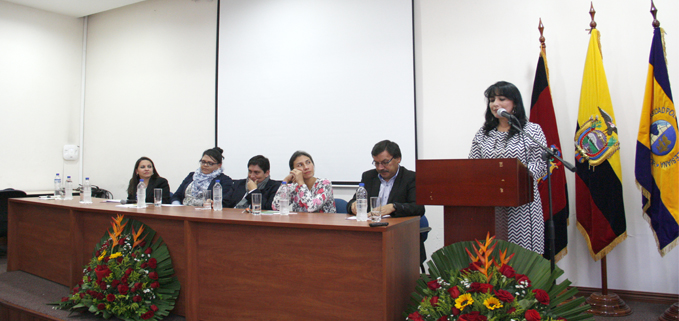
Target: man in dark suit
{"points": [[393, 184], [258, 181]]}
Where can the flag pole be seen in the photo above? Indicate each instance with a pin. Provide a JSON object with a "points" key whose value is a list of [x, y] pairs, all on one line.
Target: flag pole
{"points": [[604, 303]]}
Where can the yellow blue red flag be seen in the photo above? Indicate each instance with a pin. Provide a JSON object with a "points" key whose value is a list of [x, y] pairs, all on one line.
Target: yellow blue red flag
{"points": [[598, 182], [657, 159]]}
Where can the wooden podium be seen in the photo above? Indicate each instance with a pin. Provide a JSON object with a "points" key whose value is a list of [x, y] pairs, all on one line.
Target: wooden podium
{"points": [[469, 190]]}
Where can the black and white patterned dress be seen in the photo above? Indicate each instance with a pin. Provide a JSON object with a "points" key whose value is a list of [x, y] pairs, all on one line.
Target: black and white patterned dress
{"points": [[522, 225]]}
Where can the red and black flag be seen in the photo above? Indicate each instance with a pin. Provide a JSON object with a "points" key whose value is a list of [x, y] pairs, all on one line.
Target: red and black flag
{"points": [[542, 113]]}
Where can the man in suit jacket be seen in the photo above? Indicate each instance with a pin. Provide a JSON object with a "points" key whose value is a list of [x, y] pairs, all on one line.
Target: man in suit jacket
{"points": [[258, 181], [393, 183]]}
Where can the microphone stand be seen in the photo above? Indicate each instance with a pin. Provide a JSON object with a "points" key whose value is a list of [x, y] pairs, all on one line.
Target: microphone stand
{"points": [[547, 154]]}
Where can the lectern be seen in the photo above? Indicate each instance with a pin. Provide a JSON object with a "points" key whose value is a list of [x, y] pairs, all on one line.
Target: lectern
{"points": [[469, 190]]}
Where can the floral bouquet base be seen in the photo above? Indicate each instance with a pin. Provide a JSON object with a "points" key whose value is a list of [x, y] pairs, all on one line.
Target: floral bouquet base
{"points": [[129, 277], [491, 286]]}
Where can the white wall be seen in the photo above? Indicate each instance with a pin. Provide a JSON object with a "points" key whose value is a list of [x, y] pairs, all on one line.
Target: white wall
{"points": [[150, 90], [462, 47], [40, 68]]}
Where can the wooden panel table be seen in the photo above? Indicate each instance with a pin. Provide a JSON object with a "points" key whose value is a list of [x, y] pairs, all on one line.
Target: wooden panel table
{"points": [[237, 266]]}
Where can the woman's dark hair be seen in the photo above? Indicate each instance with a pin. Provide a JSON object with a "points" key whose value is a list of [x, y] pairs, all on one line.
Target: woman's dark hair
{"points": [[298, 154], [508, 90], [214, 153], [134, 181], [260, 161], [391, 148]]}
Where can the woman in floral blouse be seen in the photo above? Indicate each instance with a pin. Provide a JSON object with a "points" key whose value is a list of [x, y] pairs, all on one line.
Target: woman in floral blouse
{"points": [[306, 192]]}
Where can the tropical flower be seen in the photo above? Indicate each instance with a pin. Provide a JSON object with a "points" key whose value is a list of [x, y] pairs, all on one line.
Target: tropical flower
{"points": [[476, 282], [129, 283]]}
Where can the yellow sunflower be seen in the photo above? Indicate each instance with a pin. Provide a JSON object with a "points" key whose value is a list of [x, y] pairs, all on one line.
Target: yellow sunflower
{"points": [[463, 301], [492, 303]]}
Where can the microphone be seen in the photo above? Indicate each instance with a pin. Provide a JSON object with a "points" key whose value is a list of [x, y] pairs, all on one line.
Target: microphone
{"points": [[503, 112]]}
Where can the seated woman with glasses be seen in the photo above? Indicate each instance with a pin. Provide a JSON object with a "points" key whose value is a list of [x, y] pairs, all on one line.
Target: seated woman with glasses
{"points": [[306, 193], [192, 189], [146, 170]]}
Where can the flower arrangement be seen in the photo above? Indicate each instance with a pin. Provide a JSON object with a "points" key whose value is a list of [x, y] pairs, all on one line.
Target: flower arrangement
{"points": [[129, 277], [483, 286]]}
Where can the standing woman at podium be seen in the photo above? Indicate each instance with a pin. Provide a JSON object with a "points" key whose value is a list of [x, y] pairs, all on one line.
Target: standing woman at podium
{"points": [[523, 225]]}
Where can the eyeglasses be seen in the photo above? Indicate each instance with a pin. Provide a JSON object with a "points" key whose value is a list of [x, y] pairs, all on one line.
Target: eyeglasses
{"points": [[384, 162], [202, 162]]}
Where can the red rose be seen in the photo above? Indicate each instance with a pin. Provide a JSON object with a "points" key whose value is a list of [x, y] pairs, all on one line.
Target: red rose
{"points": [[480, 287], [124, 279], [136, 298], [119, 259], [123, 288], [561, 318], [511, 310], [473, 316], [434, 301], [100, 296], [507, 271], [102, 285], [532, 315], [115, 283], [142, 244], [155, 285], [64, 299], [144, 265], [110, 297], [106, 258], [541, 296], [415, 316], [153, 275], [101, 306], [148, 251], [121, 242], [504, 296], [82, 295], [154, 308], [433, 285], [147, 315], [443, 318], [102, 271], [133, 255], [152, 263], [455, 311], [520, 278], [137, 285], [128, 271], [454, 292]]}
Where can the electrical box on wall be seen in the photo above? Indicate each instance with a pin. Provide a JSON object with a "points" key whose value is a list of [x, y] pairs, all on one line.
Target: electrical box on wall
{"points": [[71, 152]]}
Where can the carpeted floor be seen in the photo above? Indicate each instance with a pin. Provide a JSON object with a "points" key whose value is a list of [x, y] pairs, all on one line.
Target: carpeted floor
{"points": [[36, 292]]}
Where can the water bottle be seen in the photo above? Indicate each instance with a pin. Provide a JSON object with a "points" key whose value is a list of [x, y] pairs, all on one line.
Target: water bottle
{"points": [[141, 194], [87, 191], [284, 203], [57, 187], [68, 189], [361, 203], [217, 196]]}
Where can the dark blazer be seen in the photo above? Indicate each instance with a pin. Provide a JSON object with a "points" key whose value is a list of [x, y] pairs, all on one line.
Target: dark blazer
{"points": [[402, 193], [154, 183], [224, 180], [238, 191]]}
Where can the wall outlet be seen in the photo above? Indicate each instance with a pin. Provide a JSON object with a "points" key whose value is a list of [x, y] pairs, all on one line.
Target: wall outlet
{"points": [[71, 152]]}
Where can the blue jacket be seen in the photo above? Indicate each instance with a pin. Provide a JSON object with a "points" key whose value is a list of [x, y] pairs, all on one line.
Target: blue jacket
{"points": [[224, 180]]}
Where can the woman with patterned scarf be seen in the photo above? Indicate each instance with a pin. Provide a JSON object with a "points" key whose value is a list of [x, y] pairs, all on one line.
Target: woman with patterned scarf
{"points": [[196, 183]]}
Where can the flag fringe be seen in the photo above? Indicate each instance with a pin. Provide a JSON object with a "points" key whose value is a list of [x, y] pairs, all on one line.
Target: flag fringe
{"points": [[605, 250], [560, 255], [647, 195], [669, 247]]}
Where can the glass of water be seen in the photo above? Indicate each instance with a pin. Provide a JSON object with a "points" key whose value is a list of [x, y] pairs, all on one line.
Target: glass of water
{"points": [[207, 200], [375, 209], [256, 203], [157, 197]]}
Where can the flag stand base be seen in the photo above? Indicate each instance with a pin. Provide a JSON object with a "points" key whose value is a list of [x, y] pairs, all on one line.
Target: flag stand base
{"points": [[671, 314], [604, 303], [610, 305]]}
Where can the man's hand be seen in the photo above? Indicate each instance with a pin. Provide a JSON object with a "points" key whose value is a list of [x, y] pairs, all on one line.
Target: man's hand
{"points": [[387, 209], [251, 185], [353, 208]]}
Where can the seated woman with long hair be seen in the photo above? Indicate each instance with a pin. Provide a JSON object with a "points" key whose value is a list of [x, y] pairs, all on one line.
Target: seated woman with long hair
{"points": [[306, 193], [146, 170]]}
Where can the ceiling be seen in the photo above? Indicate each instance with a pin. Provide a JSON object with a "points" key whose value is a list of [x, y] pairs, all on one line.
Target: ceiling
{"points": [[75, 8]]}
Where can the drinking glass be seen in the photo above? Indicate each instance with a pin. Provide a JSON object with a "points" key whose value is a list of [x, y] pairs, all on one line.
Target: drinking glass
{"points": [[207, 201], [256, 203], [375, 210], [157, 196]]}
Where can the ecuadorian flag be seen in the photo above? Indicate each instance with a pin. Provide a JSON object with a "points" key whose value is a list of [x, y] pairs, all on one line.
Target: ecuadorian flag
{"points": [[598, 184], [657, 159]]}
